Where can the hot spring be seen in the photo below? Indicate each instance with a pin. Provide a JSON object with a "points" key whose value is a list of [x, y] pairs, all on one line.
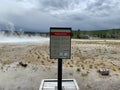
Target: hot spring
{"points": [[23, 39]]}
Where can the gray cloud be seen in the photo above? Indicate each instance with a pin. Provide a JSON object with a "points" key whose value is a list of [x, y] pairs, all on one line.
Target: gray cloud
{"points": [[42, 14], [103, 8]]}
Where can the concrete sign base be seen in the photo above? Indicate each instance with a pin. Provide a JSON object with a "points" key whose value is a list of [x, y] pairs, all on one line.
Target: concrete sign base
{"points": [[51, 84]]}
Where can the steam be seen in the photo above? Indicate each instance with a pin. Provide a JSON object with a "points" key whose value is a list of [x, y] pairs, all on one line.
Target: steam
{"points": [[22, 39], [10, 26], [8, 34]]}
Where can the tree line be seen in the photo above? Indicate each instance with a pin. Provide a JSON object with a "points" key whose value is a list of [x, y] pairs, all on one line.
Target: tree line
{"points": [[112, 33]]}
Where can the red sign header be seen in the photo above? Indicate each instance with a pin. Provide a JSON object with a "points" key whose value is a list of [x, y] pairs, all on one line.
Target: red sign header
{"points": [[60, 33]]}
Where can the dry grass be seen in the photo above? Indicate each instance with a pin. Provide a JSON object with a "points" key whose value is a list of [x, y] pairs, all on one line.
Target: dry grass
{"points": [[87, 57], [78, 69]]}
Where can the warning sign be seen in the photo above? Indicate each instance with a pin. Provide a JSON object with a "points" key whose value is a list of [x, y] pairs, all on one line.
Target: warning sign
{"points": [[60, 43]]}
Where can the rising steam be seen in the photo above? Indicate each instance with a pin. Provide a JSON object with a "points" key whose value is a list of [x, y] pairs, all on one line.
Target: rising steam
{"points": [[8, 34], [22, 39]]}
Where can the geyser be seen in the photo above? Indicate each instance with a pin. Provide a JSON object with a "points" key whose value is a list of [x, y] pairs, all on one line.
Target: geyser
{"points": [[21, 38]]}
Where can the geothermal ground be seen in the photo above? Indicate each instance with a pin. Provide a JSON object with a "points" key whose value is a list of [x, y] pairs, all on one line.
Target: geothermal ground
{"points": [[86, 58]]}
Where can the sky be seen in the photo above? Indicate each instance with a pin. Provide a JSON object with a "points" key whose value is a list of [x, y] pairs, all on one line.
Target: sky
{"points": [[40, 15]]}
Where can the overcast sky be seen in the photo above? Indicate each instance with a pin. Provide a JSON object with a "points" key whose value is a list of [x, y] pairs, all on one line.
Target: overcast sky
{"points": [[43, 14]]}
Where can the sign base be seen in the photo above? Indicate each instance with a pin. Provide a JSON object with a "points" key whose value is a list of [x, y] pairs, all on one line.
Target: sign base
{"points": [[51, 84]]}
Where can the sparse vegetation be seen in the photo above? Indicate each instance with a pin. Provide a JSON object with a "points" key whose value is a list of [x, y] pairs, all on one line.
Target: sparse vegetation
{"points": [[84, 74], [116, 74], [71, 65], [96, 67], [90, 66], [86, 56], [88, 86], [78, 69], [113, 52], [113, 69], [71, 74], [42, 62], [82, 66], [52, 62], [118, 68]]}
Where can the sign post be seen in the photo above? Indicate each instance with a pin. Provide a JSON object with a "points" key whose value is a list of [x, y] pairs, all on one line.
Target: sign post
{"points": [[60, 48], [59, 74]]}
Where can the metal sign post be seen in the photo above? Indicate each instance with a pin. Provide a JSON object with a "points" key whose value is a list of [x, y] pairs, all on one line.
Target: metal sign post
{"points": [[60, 48], [59, 74]]}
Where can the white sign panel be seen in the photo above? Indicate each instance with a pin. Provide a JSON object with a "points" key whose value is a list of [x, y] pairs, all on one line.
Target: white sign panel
{"points": [[60, 43]]}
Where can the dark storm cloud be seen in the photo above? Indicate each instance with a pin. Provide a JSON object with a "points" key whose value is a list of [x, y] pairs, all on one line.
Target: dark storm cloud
{"points": [[41, 14]]}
